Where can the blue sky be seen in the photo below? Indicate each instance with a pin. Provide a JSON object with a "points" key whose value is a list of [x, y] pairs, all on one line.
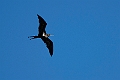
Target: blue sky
{"points": [[86, 40]]}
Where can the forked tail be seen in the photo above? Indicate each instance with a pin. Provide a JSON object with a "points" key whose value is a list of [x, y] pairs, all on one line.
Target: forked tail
{"points": [[33, 37]]}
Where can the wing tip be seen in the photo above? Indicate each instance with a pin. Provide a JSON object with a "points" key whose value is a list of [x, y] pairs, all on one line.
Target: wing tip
{"points": [[51, 55], [38, 15]]}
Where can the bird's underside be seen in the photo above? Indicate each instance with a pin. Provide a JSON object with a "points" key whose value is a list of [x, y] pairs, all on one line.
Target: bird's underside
{"points": [[43, 35]]}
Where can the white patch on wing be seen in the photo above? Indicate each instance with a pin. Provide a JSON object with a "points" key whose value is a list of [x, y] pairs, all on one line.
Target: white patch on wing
{"points": [[44, 35]]}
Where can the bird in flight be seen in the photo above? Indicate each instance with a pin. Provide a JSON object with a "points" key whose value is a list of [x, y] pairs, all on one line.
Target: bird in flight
{"points": [[43, 35]]}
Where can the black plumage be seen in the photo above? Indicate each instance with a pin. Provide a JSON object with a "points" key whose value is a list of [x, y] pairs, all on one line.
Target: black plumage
{"points": [[43, 35]]}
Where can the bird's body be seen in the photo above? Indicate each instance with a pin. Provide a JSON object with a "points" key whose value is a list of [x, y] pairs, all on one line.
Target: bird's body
{"points": [[43, 35]]}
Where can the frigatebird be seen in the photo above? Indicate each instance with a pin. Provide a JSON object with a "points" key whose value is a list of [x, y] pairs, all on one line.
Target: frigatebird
{"points": [[43, 35]]}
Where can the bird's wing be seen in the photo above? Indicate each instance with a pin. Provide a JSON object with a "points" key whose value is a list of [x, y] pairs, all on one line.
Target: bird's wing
{"points": [[49, 44], [42, 25]]}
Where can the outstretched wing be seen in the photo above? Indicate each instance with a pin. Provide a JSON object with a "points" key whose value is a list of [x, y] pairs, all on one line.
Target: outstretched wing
{"points": [[42, 25], [49, 44]]}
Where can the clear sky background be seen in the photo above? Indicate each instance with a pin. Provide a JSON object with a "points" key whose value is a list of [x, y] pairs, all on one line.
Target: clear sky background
{"points": [[86, 40]]}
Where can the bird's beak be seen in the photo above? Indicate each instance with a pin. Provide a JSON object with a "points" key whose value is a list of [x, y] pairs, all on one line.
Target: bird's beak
{"points": [[51, 35]]}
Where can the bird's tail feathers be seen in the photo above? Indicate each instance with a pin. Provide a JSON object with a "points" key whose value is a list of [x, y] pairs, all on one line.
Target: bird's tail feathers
{"points": [[32, 37]]}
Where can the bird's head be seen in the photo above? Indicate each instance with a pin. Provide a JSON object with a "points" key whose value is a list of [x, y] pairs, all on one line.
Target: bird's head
{"points": [[49, 35]]}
